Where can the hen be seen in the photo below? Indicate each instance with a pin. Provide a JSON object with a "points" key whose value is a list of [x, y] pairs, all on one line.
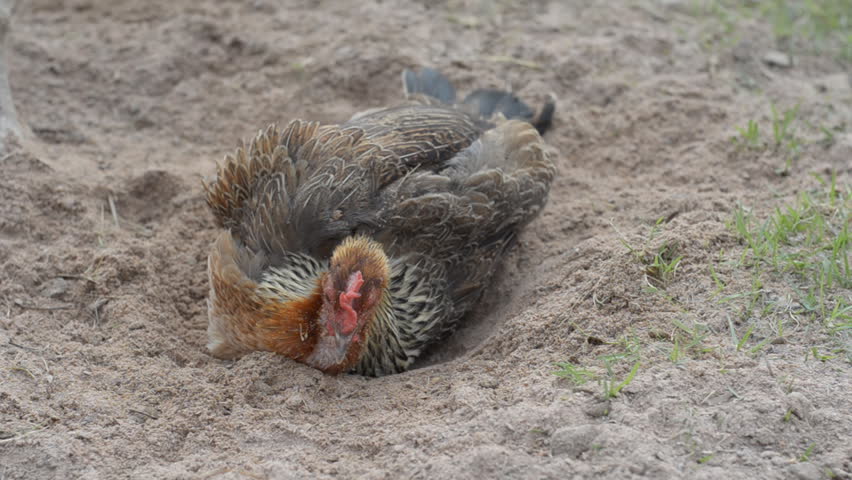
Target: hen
{"points": [[354, 247]]}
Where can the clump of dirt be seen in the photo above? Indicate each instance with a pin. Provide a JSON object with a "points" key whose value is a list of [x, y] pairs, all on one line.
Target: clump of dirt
{"points": [[104, 235]]}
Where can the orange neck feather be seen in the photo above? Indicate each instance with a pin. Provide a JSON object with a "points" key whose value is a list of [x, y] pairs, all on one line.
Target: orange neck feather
{"points": [[291, 329]]}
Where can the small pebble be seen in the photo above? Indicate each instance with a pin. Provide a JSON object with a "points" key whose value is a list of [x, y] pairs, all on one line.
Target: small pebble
{"points": [[573, 441], [799, 405], [805, 471], [55, 288], [597, 410], [778, 59], [769, 454], [294, 401]]}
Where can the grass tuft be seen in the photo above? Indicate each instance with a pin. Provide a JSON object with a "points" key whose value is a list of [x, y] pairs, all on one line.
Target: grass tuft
{"points": [[749, 136], [578, 375], [660, 263], [821, 26], [612, 387], [611, 384], [808, 452], [805, 244]]}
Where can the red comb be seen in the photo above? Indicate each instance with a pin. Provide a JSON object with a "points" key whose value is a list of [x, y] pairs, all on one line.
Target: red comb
{"points": [[347, 317]]}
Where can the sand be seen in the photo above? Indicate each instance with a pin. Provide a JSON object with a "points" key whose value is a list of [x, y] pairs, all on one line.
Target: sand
{"points": [[125, 106]]}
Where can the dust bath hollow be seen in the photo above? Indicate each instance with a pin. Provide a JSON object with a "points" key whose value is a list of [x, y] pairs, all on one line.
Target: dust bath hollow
{"points": [[478, 326]]}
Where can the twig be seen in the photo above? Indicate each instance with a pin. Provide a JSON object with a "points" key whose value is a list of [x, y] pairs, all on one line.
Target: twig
{"points": [[21, 304], [112, 209], [46, 367], [22, 369], [621, 236], [17, 437], [96, 310], [734, 393], [74, 276], [24, 347], [769, 366], [139, 412], [515, 61], [100, 231]]}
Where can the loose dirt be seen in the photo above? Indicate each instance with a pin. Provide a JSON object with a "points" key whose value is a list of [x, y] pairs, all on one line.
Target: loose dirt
{"points": [[104, 234]]}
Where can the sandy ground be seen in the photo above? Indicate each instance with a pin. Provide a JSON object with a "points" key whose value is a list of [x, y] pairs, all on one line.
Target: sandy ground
{"points": [[126, 105]]}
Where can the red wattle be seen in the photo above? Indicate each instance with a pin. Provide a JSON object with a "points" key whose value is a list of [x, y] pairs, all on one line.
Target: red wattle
{"points": [[347, 317]]}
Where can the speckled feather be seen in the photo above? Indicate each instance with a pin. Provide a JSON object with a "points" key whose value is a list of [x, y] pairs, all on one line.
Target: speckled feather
{"points": [[443, 192]]}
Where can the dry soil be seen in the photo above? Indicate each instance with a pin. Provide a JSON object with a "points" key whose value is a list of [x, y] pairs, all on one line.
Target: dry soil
{"points": [[126, 105]]}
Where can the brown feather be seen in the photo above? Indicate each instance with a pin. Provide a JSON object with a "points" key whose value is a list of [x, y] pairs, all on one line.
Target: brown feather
{"points": [[289, 328], [436, 194]]}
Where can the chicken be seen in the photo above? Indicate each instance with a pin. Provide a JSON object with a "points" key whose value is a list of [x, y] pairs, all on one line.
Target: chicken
{"points": [[354, 247]]}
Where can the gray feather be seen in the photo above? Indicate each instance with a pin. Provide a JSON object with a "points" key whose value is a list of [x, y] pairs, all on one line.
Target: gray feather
{"points": [[444, 192]]}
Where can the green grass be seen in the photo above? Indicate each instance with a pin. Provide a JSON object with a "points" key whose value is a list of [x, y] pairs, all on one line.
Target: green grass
{"points": [[821, 26], [750, 135], [661, 263], [790, 271], [740, 342], [720, 285], [808, 452], [611, 383], [785, 136], [612, 387], [819, 356], [629, 350], [578, 375], [809, 238], [688, 341], [781, 122], [806, 245]]}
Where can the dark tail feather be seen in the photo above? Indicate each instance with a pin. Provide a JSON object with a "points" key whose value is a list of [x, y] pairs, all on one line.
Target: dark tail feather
{"points": [[488, 102], [429, 82], [484, 102], [544, 119]]}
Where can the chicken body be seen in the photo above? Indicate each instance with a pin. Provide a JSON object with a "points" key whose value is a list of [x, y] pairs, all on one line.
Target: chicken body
{"points": [[356, 246]]}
